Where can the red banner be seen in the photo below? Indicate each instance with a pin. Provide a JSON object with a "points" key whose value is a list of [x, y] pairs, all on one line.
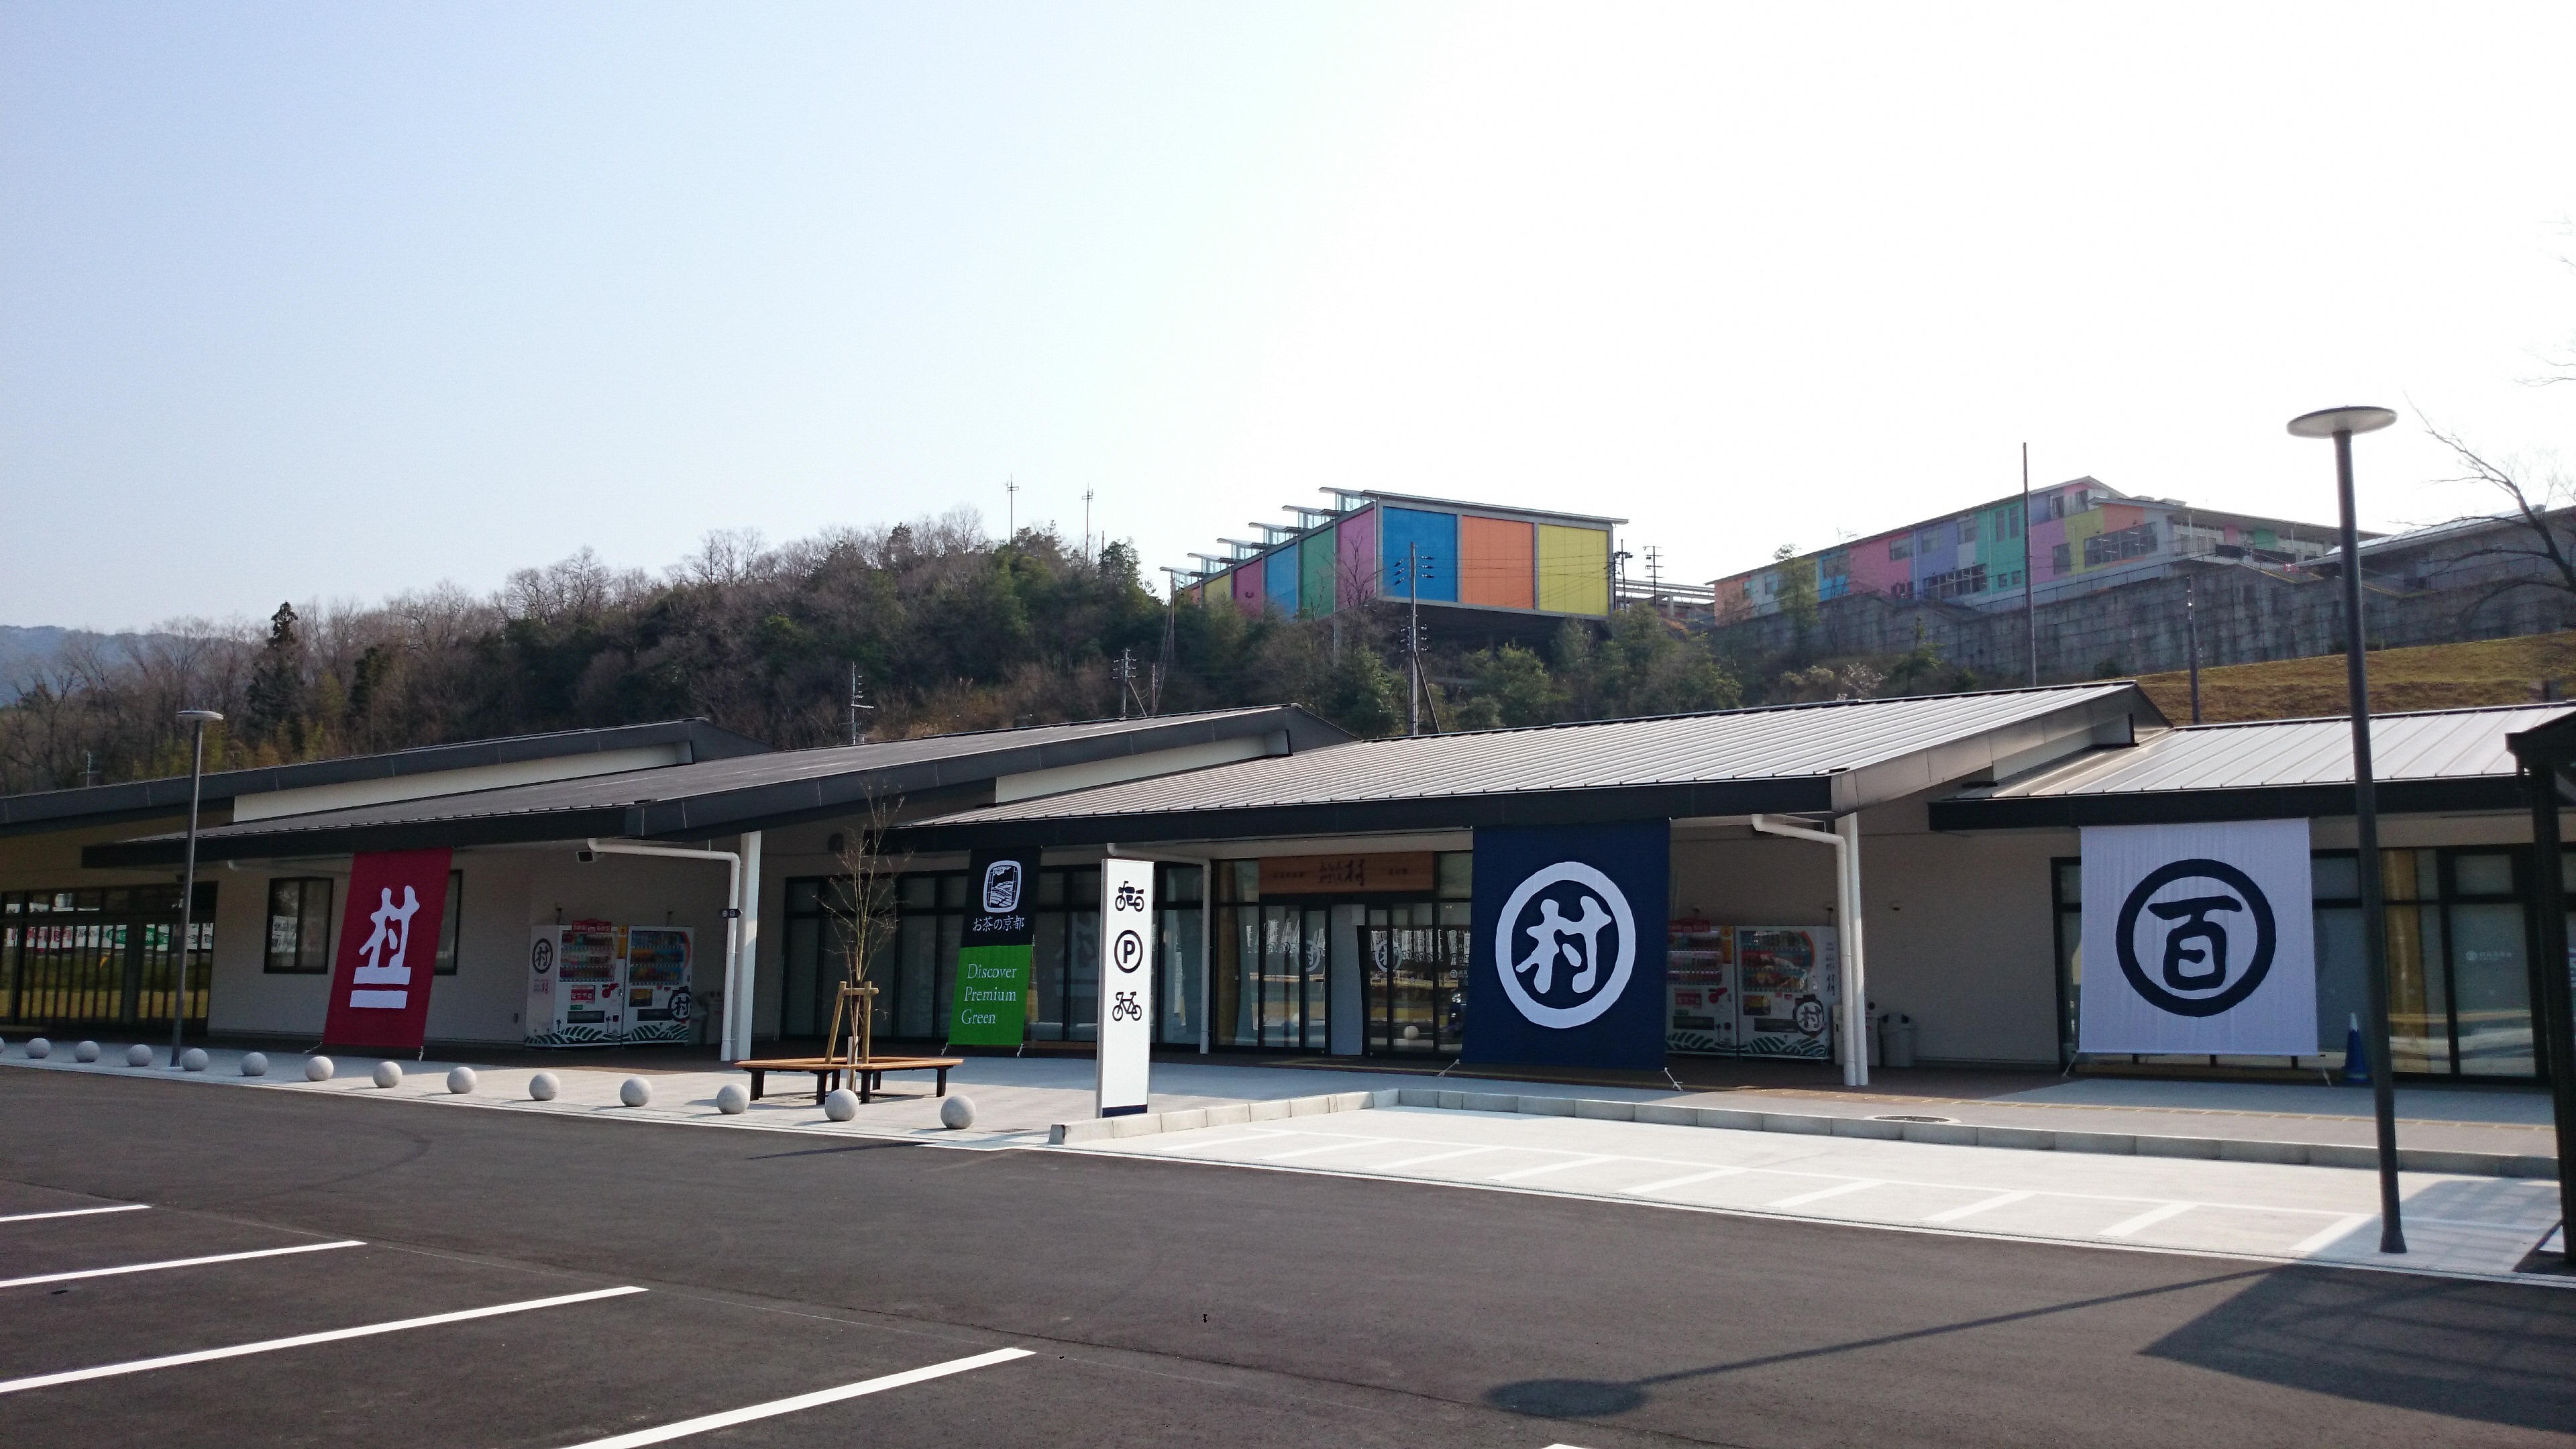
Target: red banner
{"points": [[388, 947]]}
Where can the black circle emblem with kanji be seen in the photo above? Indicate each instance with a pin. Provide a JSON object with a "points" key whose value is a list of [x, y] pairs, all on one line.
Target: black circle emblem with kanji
{"points": [[2185, 969]]}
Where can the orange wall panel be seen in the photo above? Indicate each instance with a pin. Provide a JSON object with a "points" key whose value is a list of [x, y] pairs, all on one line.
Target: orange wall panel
{"points": [[1495, 562]]}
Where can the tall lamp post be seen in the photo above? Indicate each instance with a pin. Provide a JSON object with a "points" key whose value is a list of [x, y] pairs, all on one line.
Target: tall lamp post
{"points": [[198, 719], [2340, 424]]}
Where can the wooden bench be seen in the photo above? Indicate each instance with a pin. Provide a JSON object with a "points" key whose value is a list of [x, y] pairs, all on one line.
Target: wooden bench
{"points": [[868, 1075]]}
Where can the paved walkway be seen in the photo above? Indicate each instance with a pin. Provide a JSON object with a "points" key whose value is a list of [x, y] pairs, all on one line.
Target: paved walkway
{"points": [[2474, 1226]]}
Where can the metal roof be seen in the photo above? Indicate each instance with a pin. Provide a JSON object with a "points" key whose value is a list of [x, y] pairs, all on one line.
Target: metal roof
{"points": [[1808, 758], [2453, 759], [148, 799], [723, 797]]}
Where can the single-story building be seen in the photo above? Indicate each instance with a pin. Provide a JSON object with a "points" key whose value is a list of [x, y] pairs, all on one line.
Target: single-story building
{"points": [[1322, 895]]}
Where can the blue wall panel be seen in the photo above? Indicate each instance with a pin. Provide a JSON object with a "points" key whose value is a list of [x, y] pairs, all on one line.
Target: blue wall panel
{"points": [[1279, 580], [1434, 538]]}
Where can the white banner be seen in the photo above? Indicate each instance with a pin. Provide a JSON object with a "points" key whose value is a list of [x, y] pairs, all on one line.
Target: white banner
{"points": [[2199, 938], [1126, 1054]]}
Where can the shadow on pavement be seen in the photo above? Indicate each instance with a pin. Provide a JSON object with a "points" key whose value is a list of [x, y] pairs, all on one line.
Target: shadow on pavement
{"points": [[2483, 1351]]}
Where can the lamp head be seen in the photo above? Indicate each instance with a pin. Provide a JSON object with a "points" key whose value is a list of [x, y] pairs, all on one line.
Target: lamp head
{"points": [[2330, 421], [200, 717]]}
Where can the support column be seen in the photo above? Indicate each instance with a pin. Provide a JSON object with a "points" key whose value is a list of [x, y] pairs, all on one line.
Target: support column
{"points": [[1855, 979], [742, 1000]]}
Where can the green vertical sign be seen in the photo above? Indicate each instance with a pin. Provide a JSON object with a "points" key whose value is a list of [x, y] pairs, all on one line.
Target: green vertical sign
{"points": [[992, 995]]}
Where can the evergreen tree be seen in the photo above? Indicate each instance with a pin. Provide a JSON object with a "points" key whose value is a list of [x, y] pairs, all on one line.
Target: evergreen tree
{"points": [[274, 702]]}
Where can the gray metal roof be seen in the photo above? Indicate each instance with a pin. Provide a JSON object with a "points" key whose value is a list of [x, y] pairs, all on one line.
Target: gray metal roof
{"points": [[723, 797], [1796, 758], [147, 799], [2453, 759]]}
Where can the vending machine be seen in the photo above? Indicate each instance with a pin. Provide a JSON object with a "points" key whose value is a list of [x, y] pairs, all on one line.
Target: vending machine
{"points": [[1787, 981], [576, 986], [658, 1005], [1699, 984]]}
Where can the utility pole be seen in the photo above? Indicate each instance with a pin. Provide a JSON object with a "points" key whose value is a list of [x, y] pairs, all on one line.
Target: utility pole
{"points": [[1655, 574], [1124, 671], [2191, 639], [1414, 564], [1011, 509], [1086, 526], [2029, 573], [858, 703]]}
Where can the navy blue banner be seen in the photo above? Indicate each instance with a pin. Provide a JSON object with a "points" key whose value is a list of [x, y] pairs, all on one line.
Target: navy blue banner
{"points": [[1568, 964]]}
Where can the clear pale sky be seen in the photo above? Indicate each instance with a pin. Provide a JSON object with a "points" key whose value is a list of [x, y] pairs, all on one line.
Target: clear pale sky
{"points": [[334, 300]]}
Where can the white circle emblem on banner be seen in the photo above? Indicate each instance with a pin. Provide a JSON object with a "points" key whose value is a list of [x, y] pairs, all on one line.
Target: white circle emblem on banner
{"points": [[1551, 936]]}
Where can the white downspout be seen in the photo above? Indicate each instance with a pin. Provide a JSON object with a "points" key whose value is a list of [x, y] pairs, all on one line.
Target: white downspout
{"points": [[1845, 839], [733, 908]]}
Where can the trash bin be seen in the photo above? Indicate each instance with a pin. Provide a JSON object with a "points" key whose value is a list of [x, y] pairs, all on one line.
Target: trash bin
{"points": [[1896, 1039]]}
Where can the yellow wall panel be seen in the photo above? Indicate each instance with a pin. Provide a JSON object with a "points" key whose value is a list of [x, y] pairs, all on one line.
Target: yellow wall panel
{"points": [[1574, 569]]}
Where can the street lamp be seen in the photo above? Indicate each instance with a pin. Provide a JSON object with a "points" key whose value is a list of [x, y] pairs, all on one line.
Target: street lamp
{"points": [[2340, 424], [198, 719]]}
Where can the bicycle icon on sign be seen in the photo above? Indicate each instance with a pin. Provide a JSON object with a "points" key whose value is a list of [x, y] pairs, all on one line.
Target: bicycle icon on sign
{"points": [[1126, 1008]]}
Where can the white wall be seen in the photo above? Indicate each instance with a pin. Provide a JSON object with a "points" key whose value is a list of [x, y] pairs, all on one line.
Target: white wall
{"points": [[507, 893], [1956, 929]]}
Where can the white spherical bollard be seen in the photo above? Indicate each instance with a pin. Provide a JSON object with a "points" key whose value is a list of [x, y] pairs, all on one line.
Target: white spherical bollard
{"points": [[38, 1048], [461, 1080], [543, 1086], [138, 1055], [635, 1092], [842, 1105], [254, 1064], [193, 1059], [388, 1074], [317, 1069], [732, 1100], [85, 1052], [957, 1113]]}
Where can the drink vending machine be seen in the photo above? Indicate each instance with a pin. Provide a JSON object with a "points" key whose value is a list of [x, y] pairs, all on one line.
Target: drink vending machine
{"points": [[576, 986], [1761, 991], [657, 999]]}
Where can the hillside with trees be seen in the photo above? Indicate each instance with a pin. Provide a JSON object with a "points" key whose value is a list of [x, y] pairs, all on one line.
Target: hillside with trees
{"points": [[949, 629]]}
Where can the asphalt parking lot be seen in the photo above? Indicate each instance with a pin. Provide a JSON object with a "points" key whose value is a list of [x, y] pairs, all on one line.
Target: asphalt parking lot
{"points": [[489, 1295]]}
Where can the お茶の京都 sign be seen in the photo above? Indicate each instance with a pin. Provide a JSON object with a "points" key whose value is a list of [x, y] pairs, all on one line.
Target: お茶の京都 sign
{"points": [[993, 956]]}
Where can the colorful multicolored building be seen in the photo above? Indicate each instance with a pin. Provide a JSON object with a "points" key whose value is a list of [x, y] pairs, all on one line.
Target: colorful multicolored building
{"points": [[1395, 546], [2070, 538]]}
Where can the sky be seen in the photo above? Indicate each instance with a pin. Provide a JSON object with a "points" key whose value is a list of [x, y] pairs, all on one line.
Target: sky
{"points": [[323, 301]]}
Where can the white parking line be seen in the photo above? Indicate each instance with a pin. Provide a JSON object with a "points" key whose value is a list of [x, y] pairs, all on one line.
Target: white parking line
{"points": [[271, 1345], [1335, 1145], [775, 1407], [123, 1207], [2001, 1199], [2332, 1231], [1820, 1194], [2147, 1219], [1219, 1142], [1688, 1178], [1547, 1167], [176, 1263], [1430, 1157]]}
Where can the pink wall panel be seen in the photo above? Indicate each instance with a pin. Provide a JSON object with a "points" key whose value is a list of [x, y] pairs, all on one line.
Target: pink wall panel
{"points": [[1357, 574]]}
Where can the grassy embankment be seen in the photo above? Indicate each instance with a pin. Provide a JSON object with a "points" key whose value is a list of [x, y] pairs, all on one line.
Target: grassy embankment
{"points": [[2434, 676]]}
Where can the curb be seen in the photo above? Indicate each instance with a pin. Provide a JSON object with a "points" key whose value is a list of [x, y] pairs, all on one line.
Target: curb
{"points": [[1962, 1134], [1148, 1124]]}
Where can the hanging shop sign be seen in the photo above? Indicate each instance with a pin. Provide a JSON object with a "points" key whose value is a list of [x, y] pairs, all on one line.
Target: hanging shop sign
{"points": [[2198, 938], [388, 948], [994, 953], [1125, 1059], [1568, 946], [1333, 875]]}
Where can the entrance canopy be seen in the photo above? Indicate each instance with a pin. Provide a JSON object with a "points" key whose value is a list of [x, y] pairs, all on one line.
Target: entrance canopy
{"points": [[1811, 759]]}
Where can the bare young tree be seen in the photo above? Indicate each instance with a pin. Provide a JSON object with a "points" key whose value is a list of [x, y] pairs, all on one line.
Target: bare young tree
{"points": [[2536, 549], [862, 905]]}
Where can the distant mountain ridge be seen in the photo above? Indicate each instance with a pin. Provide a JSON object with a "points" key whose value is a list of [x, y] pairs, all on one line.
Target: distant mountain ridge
{"points": [[26, 650]]}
